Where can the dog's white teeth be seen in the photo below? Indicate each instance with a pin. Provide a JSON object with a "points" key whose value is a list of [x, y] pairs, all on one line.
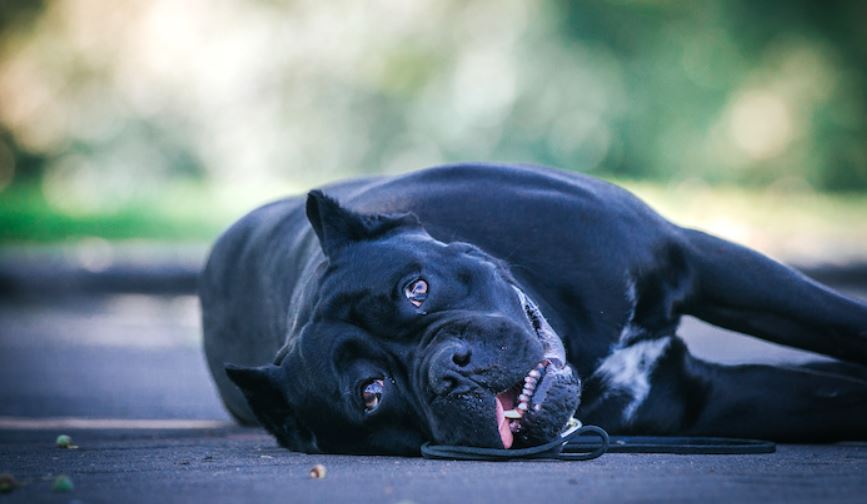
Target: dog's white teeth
{"points": [[513, 413], [530, 382]]}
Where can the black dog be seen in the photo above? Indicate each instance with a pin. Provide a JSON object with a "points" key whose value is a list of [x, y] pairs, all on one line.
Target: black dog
{"points": [[466, 304]]}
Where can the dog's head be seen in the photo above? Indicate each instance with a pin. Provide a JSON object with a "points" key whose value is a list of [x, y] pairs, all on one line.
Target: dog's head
{"points": [[409, 339]]}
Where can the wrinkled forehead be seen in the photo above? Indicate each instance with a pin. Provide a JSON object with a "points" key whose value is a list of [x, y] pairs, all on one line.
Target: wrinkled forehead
{"points": [[379, 266], [374, 262]]}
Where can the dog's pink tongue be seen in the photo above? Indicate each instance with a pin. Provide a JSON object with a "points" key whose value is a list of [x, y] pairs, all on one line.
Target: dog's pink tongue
{"points": [[503, 424]]}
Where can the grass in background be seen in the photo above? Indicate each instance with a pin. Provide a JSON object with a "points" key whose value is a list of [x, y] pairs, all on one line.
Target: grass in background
{"points": [[26, 216], [797, 226], [185, 212]]}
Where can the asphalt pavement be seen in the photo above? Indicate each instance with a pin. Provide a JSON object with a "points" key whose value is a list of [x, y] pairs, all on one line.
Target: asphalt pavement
{"points": [[124, 375]]}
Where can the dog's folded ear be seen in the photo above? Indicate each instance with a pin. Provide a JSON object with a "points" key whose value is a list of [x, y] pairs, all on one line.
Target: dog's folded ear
{"points": [[337, 226], [265, 389]]}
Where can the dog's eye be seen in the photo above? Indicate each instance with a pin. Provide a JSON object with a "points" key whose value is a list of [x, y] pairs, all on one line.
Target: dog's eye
{"points": [[372, 394], [416, 292]]}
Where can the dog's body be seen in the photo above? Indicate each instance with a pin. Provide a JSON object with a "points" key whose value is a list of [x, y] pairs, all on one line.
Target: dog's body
{"points": [[414, 310]]}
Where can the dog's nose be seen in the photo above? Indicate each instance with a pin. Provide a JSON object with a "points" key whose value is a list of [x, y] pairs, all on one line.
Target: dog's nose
{"points": [[447, 372], [461, 355]]}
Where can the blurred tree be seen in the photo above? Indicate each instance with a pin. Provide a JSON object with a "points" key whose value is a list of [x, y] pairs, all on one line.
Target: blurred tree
{"points": [[685, 61], [15, 161], [119, 99], [18, 12]]}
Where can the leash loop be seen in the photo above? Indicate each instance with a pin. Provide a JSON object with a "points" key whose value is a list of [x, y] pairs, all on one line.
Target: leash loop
{"points": [[552, 449]]}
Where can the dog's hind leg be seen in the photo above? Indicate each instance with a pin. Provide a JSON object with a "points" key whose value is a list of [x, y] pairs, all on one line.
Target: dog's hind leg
{"points": [[740, 289], [794, 404], [846, 369], [683, 395]]}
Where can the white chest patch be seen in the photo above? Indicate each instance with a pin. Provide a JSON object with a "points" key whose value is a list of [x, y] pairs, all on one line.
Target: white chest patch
{"points": [[628, 370]]}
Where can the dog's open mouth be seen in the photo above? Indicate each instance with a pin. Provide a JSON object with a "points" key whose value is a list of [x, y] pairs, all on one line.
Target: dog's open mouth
{"points": [[515, 403], [516, 406]]}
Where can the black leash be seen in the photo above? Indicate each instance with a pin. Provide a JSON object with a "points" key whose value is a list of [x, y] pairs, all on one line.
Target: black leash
{"points": [[589, 442], [685, 445]]}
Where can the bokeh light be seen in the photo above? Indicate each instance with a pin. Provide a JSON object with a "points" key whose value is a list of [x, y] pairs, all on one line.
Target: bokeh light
{"points": [[107, 105]]}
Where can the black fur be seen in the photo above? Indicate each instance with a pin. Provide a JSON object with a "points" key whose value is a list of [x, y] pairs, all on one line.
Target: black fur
{"points": [[320, 284]]}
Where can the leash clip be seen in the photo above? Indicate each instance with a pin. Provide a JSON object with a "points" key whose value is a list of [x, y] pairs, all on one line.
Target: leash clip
{"points": [[571, 426]]}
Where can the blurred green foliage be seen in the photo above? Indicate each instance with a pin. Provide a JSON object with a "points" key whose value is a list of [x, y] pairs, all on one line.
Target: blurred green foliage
{"points": [[188, 215], [687, 64], [105, 105]]}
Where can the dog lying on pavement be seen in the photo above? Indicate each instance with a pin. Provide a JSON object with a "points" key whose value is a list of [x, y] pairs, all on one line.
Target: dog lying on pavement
{"points": [[485, 305]]}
